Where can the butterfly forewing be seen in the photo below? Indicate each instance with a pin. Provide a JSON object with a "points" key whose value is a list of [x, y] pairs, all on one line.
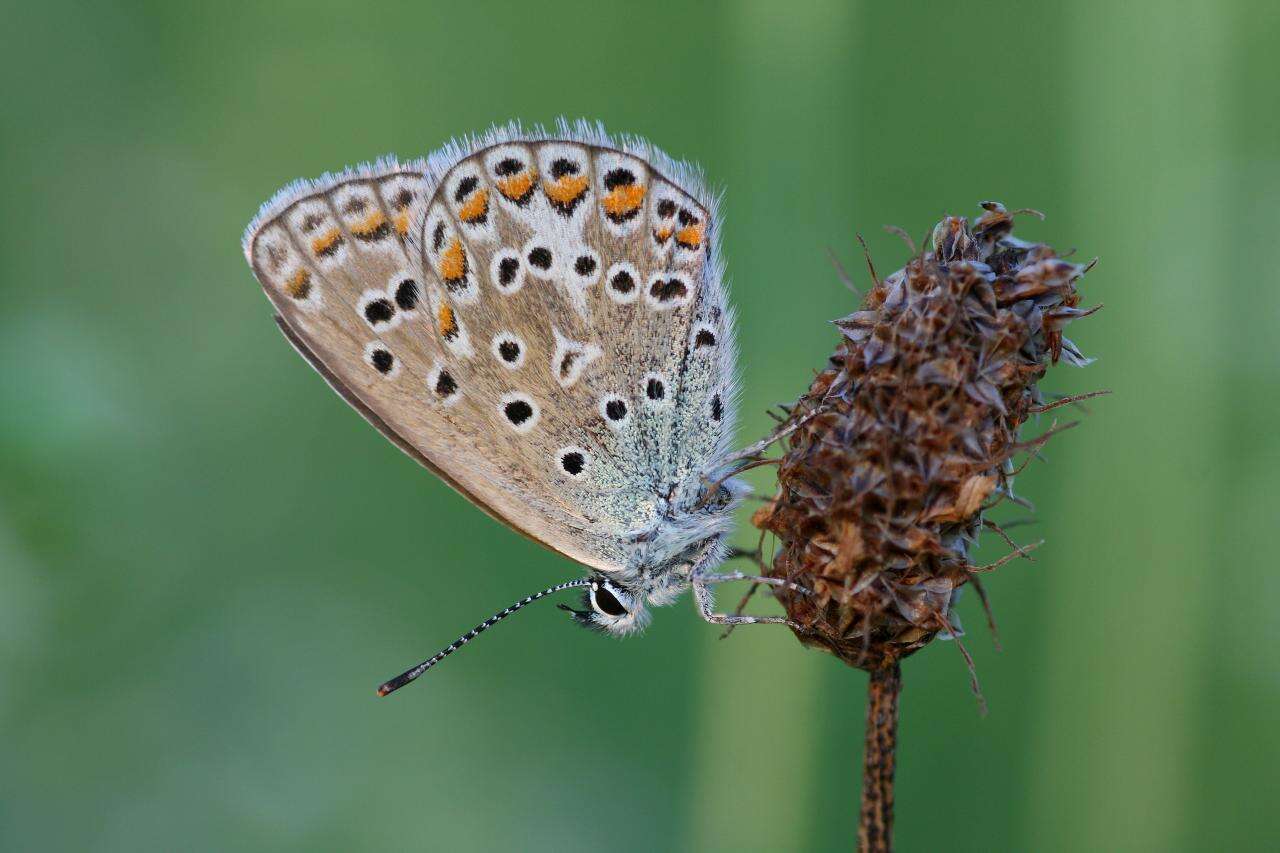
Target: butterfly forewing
{"points": [[542, 322]]}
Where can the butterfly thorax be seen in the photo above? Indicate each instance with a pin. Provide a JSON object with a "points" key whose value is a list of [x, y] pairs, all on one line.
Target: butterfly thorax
{"points": [[688, 538]]}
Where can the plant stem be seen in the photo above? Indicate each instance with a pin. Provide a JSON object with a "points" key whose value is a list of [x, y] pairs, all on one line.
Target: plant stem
{"points": [[875, 830]]}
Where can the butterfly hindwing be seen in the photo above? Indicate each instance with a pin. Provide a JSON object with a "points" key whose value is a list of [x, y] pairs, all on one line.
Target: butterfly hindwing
{"points": [[540, 321]]}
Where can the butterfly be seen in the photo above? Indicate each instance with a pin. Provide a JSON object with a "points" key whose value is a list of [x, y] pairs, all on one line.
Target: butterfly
{"points": [[540, 318]]}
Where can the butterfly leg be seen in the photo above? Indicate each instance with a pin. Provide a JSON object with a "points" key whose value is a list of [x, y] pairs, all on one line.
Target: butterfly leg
{"points": [[726, 577], [706, 602]]}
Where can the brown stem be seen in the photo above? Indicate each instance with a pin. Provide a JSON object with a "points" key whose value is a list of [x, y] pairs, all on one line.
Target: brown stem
{"points": [[875, 831]]}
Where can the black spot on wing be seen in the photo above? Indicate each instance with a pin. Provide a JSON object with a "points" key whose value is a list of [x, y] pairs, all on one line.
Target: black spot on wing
{"points": [[517, 411], [507, 269], [407, 295], [379, 311], [446, 385], [573, 462], [540, 257], [622, 282], [561, 167], [615, 178], [665, 290], [567, 362], [465, 187]]}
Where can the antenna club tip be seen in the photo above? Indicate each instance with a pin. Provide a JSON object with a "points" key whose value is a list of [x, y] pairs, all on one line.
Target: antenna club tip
{"points": [[384, 690]]}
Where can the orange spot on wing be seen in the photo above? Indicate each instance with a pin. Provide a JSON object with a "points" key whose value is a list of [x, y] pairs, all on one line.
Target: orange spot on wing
{"points": [[662, 234], [624, 199], [370, 225], [298, 284], [476, 206], [517, 186], [448, 323], [327, 242], [402, 222], [566, 190], [690, 236], [453, 261]]}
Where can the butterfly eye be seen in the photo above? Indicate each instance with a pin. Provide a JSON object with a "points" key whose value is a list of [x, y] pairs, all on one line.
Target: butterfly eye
{"points": [[606, 602]]}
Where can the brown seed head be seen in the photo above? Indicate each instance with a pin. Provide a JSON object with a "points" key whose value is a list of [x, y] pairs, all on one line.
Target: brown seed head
{"points": [[904, 441]]}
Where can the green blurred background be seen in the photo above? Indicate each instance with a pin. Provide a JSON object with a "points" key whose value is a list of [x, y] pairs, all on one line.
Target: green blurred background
{"points": [[207, 562]]}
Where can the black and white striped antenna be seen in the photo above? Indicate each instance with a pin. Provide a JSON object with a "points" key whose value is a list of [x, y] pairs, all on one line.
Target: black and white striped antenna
{"points": [[409, 675]]}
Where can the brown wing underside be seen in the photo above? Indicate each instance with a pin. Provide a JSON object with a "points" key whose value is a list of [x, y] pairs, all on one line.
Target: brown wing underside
{"points": [[353, 400]]}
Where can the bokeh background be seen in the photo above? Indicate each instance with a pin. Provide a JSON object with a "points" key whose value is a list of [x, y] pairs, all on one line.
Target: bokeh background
{"points": [[207, 562]]}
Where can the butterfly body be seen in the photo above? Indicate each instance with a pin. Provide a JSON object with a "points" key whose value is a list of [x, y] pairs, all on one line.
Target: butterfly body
{"points": [[540, 319]]}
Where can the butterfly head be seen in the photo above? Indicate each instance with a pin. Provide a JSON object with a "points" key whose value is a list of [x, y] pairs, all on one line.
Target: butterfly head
{"points": [[616, 602], [610, 607]]}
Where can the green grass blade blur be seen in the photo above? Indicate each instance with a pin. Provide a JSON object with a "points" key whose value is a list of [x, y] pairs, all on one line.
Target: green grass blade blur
{"points": [[208, 562]]}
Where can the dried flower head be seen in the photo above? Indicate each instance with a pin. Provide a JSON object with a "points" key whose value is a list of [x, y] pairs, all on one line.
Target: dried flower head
{"points": [[901, 445]]}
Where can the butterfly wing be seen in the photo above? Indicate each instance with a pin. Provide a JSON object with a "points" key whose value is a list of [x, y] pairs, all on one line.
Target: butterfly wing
{"points": [[538, 321]]}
